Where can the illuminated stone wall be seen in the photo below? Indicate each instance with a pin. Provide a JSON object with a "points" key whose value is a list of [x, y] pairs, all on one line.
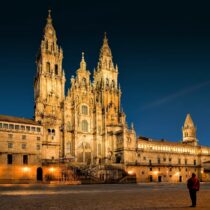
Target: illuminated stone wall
{"points": [[171, 162], [20, 152]]}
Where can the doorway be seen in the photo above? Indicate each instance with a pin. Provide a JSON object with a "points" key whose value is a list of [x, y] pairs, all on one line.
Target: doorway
{"points": [[150, 178], [118, 159], [180, 178], [39, 174], [159, 178]]}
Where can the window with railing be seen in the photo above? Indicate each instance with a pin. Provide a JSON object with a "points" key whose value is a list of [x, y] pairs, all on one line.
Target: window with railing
{"points": [[5, 126], [17, 127], [11, 126]]}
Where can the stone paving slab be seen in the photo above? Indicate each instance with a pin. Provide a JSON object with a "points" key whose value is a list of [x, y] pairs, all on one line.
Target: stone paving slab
{"points": [[101, 197]]}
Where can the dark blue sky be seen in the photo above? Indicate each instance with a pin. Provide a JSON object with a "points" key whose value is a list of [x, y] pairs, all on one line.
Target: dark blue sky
{"points": [[162, 49]]}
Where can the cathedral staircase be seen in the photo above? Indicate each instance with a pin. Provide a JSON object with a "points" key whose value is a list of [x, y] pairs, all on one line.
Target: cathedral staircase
{"points": [[102, 174]]}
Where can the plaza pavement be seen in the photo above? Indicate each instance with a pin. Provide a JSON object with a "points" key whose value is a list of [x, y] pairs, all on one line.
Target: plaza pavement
{"points": [[101, 197]]}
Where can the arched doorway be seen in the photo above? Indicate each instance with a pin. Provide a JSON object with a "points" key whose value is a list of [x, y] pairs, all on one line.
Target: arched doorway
{"points": [[39, 174], [118, 159], [84, 153]]}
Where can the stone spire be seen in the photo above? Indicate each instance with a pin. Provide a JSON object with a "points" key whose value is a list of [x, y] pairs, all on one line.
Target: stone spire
{"points": [[189, 131], [188, 121], [105, 57], [49, 42], [49, 29], [83, 63], [105, 49], [83, 75]]}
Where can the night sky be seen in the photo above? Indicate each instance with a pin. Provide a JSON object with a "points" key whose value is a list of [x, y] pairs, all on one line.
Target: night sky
{"points": [[162, 49]]}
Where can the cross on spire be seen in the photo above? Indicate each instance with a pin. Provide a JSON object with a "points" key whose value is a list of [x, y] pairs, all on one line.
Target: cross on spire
{"points": [[49, 19]]}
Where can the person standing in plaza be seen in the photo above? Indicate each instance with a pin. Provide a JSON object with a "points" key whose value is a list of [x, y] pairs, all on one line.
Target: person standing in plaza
{"points": [[193, 185]]}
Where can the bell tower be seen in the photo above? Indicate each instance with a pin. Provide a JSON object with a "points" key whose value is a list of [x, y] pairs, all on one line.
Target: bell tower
{"points": [[108, 92], [189, 131], [49, 91]]}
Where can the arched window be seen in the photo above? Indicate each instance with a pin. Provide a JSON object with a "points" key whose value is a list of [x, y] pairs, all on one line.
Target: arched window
{"points": [[83, 82], [85, 126], [99, 149], [110, 64], [48, 67], [84, 110], [49, 131], [113, 84], [47, 45], [68, 147], [56, 69], [107, 82], [68, 126], [53, 132]]}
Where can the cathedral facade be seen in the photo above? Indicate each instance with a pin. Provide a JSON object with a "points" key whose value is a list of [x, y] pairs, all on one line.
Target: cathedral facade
{"points": [[87, 127], [88, 124]]}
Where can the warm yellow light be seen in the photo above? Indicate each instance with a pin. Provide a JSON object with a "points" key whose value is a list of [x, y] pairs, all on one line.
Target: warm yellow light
{"points": [[51, 169], [177, 173], [155, 172], [130, 172], [25, 169]]}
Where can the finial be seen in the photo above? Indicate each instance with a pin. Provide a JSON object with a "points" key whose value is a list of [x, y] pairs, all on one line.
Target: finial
{"points": [[83, 63], [83, 56], [132, 126], [116, 67], [49, 19], [105, 37]]}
